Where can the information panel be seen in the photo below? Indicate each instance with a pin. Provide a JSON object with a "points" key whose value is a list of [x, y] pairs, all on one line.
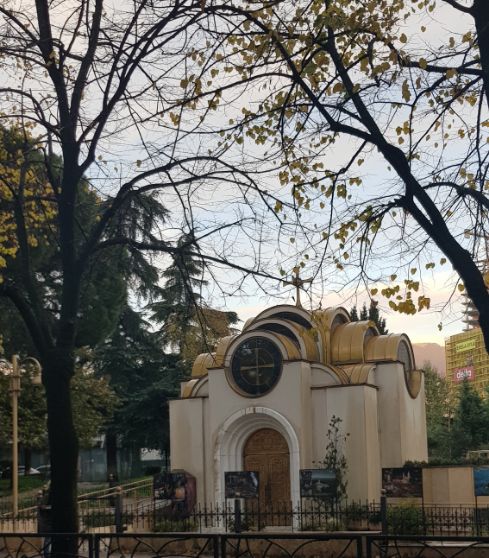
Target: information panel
{"points": [[241, 484], [403, 482], [318, 483]]}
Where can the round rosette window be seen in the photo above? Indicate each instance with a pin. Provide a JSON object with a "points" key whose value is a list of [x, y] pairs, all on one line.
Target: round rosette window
{"points": [[256, 366]]}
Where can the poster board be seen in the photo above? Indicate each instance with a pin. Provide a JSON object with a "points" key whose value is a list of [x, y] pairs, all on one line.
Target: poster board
{"points": [[403, 482], [481, 481], [318, 483], [242, 484]]}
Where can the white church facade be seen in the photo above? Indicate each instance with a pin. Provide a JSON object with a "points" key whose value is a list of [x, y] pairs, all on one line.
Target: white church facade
{"points": [[263, 401]]}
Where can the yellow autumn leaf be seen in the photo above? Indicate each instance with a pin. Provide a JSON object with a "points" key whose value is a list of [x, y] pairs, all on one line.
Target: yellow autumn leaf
{"points": [[406, 94]]}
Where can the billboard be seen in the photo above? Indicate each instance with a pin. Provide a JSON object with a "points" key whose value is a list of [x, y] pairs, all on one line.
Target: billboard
{"points": [[465, 346], [318, 483], [241, 484], [464, 373], [481, 481], [403, 482]]}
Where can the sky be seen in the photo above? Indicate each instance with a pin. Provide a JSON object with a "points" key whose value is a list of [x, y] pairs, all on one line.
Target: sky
{"points": [[252, 296], [446, 308], [420, 328]]}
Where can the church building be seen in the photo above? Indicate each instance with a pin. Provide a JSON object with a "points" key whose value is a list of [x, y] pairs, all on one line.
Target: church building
{"points": [[264, 400]]}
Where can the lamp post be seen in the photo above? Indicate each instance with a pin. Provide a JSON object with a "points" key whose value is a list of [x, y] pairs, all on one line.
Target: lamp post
{"points": [[12, 370]]}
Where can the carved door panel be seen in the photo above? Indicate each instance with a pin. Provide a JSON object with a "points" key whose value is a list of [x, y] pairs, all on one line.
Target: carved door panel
{"points": [[266, 451]]}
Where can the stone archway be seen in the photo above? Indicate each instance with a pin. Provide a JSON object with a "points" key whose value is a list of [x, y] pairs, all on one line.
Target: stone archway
{"points": [[235, 432]]}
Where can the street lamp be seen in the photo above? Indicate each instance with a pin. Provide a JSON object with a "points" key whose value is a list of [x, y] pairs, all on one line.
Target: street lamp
{"points": [[12, 370]]}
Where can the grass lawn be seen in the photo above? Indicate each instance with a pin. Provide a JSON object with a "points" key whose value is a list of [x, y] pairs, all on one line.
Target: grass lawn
{"points": [[26, 484]]}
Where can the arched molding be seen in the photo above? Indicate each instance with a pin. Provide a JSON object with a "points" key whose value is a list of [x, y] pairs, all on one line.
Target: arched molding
{"points": [[348, 341], [288, 348], [232, 437], [201, 388], [284, 311], [202, 363], [326, 321], [323, 375], [302, 336]]}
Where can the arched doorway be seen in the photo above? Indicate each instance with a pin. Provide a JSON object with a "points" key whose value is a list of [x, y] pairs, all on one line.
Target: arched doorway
{"points": [[267, 452]]}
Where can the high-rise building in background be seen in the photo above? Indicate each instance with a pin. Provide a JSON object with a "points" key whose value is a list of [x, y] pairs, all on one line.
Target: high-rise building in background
{"points": [[467, 358], [465, 353]]}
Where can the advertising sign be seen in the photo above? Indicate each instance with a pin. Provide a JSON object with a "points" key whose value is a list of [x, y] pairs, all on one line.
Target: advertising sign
{"points": [[465, 346], [403, 482], [241, 484], [464, 373], [318, 483], [481, 481]]}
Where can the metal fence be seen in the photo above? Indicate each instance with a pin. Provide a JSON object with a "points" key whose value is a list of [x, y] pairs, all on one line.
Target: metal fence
{"points": [[426, 547], [214, 545], [113, 513]]}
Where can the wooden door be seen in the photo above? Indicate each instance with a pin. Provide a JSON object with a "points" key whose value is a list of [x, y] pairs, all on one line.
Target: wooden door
{"points": [[267, 452]]}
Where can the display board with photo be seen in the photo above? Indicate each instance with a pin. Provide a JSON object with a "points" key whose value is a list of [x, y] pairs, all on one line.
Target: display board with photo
{"points": [[481, 481], [403, 482], [318, 483], [241, 484]]}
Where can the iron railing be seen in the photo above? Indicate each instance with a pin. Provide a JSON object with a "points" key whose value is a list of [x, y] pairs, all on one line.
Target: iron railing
{"points": [[112, 513], [220, 545], [426, 547]]}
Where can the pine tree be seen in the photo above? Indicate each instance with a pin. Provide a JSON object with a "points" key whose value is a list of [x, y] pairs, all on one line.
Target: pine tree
{"points": [[364, 313], [439, 412], [179, 297], [143, 378], [354, 314], [471, 421], [187, 324], [372, 314]]}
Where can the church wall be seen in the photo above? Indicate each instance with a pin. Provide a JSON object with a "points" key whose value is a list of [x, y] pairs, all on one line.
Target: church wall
{"points": [[320, 421], [285, 398], [402, 419], [291, 399], [357, 406], [188, 439], [413, 422]]}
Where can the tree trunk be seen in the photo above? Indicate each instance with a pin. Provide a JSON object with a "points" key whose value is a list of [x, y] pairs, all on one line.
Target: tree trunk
{"points": [[111, 453], [63, 447]]}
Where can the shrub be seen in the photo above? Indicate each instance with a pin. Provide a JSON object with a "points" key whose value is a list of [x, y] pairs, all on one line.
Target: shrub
{"points": [[405, 520]]}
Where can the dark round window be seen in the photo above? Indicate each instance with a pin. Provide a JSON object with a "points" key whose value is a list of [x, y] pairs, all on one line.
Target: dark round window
{"points": [[256, 366]]}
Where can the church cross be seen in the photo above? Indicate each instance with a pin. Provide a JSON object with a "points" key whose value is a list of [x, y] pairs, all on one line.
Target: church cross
{"points": [[298, 283]]}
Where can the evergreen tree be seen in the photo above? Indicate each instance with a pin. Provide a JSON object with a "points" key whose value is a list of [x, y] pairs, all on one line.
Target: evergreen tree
{"points": [[372, 314], [354, 314], [179, 297], [144, 378], [471, 421], [364, 313], [188, 325], [439, 412]]}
